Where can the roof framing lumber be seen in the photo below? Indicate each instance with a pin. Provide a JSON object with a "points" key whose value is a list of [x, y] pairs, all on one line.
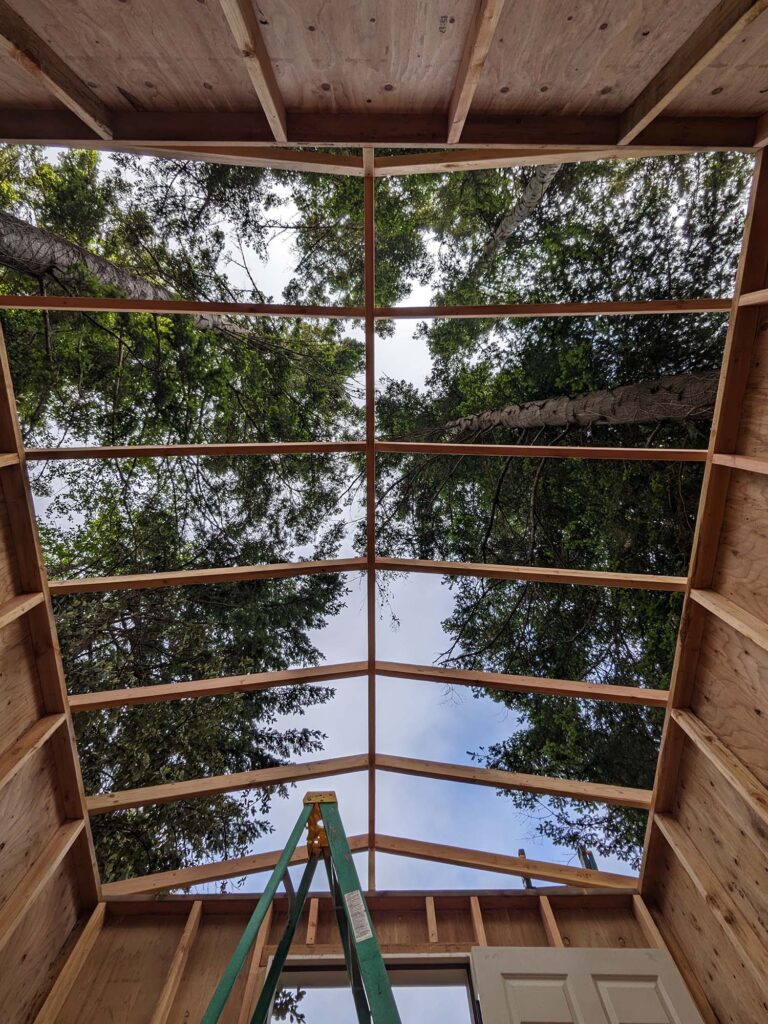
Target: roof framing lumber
{"points": [[522, 684], [104, 803], [247, 156], [568, 788], [196, 577], [19, 605], [213, 687], [168, 451], [27, 745], [744, 622], [32, 53], [647, 307], [244, 26], [747, 463], [238, 867], [523, 867], [534, 574], [485, 19], [542, 451], [716, 32]]}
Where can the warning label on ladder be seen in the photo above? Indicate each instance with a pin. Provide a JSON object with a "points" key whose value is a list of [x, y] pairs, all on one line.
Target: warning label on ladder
{"points": [[361, 927]]}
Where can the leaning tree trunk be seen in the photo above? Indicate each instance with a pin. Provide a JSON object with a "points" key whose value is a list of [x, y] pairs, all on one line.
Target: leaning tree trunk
{"points": [[532, 195], [39, 253], [687, 396]]}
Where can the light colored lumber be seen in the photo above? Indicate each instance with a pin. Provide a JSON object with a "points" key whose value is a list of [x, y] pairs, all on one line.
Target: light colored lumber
{"points": [[499, 779], [485, 19], [684, 966], [197, 577], [37, 877], [181, 878], [747, 463], [523, 684], [715, 33], [15, 607], [37, 735], [26, 48], [170, 451], [648, 927], [759, 297], [504, 863], [104, 803], [429, 909], [176, 970], [534, 574], [752, 953], [544, 451], [548, 919], [214, 687], [67, 976], [244, 25], [174, 307], [744, 622], [476, 915], [314, 908], [646, 307], [250, 156], [256, 973], [729, 767], [8, 459]]}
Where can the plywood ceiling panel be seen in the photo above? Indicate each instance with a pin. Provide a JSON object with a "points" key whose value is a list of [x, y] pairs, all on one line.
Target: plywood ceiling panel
{"points": [[576, 57]]}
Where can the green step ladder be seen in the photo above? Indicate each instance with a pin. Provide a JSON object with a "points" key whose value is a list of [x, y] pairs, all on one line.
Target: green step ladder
{"points": [[326, 841]]}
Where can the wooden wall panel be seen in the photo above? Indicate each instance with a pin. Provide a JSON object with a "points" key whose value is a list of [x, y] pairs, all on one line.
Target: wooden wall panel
{"points": [[21, 702], [741, 570], [214, 945], [510, 927], [604, 928], [753, 431]]}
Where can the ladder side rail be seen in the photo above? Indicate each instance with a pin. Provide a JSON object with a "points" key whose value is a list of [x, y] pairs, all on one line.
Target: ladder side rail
{"points": [[350, 956]]}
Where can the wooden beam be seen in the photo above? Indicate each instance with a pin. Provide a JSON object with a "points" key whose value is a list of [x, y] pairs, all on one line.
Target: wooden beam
{"points": [[181, 878], [646, 307], [244, 25], [34, 55], [761, 132], [429, 909], [314, 909], [746, 463], [542, 451], [482, 29], [744, 622], [214, 687], [549, 921], [8, 459], [647, 925], [208, 451], [104, 803], [67, 976], [38, 875], [717, 31], [534, 574], [758, 297], [728, 766], [504, 863], [567, 788], [478, 927], [15, 607], [167, 997], [740, 936], [644, 696], [256, 973], [13, 760], [174, 307], [199, 577], [247, 156]]}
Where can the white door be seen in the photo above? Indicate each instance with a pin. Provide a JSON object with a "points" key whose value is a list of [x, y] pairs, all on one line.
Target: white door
{"points": [[580, 986]]}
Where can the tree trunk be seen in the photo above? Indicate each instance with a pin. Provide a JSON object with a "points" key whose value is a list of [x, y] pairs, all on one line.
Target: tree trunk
{"points": [[688, 396], [39, 253], [532, 195]]}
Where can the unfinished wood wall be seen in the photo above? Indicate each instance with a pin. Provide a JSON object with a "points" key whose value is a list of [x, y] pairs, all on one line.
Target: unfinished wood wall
{"points": [[47, 874], [707, 869]]}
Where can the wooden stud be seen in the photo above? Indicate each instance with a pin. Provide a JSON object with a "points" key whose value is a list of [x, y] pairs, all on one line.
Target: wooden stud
{"points": [[184, 689], [256, 973], [566, 788], [244, 25], [314, 907], [176, 970], [238, 867], [534, 574], [68, 975], [485, 19], [523, 684], [429, 907], [18, 754], [15, 607], [548, 919], [208, 451], [104, 803], [8, 459], [747, 463], [744, 622], [761, 132], [716, 32], [29, 51], [478, 928], [543, 451], [198, 577], [643, 917], [505, 864]]}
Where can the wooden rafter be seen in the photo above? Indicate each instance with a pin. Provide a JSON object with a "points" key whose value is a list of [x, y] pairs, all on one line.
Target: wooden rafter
{"points": [[172, 451], [32, 53], [485, 18], [248, 156], [244, 26], [542, 451], [716, 32]]}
